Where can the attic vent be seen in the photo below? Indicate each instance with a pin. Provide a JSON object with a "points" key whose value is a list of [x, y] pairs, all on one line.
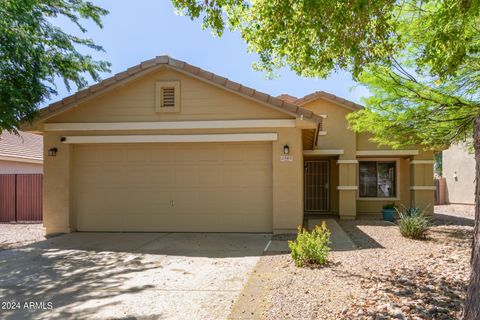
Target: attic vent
{"points": [[167, 96]]}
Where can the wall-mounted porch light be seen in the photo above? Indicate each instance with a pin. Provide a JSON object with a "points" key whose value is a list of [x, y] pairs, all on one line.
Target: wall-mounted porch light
{"points": [[52, 152], [286, 149]]}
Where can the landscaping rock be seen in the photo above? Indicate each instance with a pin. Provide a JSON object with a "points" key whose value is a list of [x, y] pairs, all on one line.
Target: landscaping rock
{"points": [[387, 277]]}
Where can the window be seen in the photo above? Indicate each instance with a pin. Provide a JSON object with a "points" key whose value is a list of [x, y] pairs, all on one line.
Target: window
{"points": [[167, 96], [377, 179]]}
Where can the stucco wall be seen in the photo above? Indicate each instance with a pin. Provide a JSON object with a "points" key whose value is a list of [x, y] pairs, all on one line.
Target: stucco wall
{"points": [[338, 136], [459, 173], [13, 167]]}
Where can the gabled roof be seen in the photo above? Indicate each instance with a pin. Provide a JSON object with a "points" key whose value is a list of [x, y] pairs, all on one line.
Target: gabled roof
{"points": [[181, 66], [25, 146], [328, 96]]}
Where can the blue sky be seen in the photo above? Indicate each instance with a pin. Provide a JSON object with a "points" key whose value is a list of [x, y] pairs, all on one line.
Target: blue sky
{"points": [[135, 31]]}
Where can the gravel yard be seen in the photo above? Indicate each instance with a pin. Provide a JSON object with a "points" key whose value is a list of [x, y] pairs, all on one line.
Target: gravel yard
{"points": [[387, 277], [14, 235]]}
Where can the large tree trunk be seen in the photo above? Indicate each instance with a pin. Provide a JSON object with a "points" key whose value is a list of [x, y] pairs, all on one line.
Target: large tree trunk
{"points": [[472, 303]]}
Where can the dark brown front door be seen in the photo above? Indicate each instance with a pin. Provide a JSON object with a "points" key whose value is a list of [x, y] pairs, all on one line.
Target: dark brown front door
{"points": [[316, 186]]}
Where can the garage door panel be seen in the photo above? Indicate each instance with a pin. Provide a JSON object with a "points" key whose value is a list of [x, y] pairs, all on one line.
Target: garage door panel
{"points": [[259, 154], [210, 155], [101, 222], [185, 177], [210, 176], [233, 154], [136, 155], [161, 155], [113, 155], [168, 187], [258, 176], [160, 176]]}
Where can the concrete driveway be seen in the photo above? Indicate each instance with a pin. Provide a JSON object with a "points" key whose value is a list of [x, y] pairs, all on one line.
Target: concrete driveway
{"points": [[128, 276]]}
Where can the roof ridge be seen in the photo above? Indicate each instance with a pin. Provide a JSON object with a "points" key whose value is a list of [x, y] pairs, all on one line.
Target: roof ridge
{"points": [[323, 94]]}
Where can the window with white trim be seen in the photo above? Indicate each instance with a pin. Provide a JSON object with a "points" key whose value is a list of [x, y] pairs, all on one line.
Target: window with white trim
{"points": [[167, 96], [377, 179]]}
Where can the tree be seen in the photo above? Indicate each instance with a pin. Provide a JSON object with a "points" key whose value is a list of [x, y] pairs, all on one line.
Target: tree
{"points": [[34, 52], [421, 60]]}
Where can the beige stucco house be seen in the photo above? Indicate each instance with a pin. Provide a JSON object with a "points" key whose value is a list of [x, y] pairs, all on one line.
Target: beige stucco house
{"points": [[166, 146], [458, 169]]}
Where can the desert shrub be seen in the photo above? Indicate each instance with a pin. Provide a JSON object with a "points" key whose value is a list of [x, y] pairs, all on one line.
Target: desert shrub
{"points": [[311, 247], [413, 223]]}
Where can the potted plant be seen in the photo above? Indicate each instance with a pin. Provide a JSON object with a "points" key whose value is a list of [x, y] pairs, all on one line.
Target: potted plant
{"points": [[388, 212]]}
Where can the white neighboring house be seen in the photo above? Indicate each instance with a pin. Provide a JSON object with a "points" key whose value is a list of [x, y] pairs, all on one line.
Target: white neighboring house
{"points": [[459, 172], [21, 154]]}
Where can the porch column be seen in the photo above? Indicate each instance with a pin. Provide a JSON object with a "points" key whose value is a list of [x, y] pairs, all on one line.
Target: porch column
{"points": [[422, 184], [287, 181], [347, 188], [56, 186]]}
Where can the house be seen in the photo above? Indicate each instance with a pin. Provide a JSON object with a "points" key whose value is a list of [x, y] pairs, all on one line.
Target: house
{"points": [[21, 167], [22, 153], [458, 169], [167, 146]]}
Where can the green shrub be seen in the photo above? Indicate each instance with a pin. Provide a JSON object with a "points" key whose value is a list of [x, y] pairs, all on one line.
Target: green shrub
{"points": [[413, 223], [311, 247]]}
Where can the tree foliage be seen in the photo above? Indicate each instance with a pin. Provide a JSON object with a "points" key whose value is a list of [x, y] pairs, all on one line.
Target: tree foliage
{"points": [[429, 93], [313, 37], [34, 52]]}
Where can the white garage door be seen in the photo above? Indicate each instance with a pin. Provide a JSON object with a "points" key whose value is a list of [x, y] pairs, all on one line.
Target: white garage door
{"points": [[205, 187]]}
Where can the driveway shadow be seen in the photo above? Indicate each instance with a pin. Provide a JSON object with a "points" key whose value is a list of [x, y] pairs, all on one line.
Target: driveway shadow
{"points": [[117, 275], [66, 278]]}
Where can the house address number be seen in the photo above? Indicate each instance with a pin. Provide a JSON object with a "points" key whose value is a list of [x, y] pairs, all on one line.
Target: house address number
{"points": [[286, 158]]}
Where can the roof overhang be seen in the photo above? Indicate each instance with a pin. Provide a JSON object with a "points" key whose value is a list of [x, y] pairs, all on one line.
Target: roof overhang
{"points": [[20, 159]]}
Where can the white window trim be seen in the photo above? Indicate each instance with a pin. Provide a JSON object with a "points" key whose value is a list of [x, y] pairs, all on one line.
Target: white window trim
{"points": [[347, 188], [413, 188], [347, 161], [158, 96], [397, 183]]}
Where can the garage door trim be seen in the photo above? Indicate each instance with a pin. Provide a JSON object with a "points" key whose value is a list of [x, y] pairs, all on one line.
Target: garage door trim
{"points": [[235, 137]]}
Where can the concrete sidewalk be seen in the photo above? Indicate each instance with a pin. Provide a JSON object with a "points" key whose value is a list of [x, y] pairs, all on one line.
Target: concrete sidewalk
{"points": [[339, 238]]}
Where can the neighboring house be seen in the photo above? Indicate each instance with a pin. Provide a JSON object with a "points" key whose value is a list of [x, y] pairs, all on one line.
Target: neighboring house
{"points": [[458, 169], [166, 146], [22, 153], [21, 167]]}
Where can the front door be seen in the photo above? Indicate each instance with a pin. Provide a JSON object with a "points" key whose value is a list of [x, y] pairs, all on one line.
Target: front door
{"points": [[316, 186]]}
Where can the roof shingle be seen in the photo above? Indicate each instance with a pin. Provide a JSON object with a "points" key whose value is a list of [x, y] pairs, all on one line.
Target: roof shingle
{"points": [[25, 145]]}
